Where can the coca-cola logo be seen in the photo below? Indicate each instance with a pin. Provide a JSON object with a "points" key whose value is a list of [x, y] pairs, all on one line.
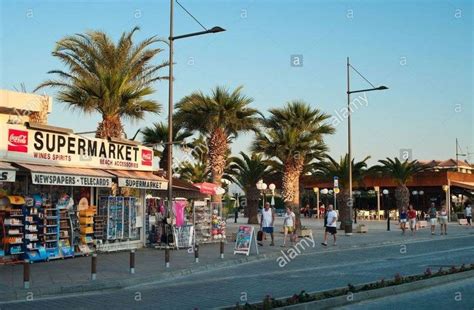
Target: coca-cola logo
{"points": [[18, 140], [147, 157]]}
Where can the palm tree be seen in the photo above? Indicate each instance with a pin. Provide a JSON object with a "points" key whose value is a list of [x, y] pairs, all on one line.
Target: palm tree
{"points": [[158, 136], [246, 171], [293, 137], [331, 168], [196, 172], [401, 173], [220, 117], [195, 168], [112, 79]]}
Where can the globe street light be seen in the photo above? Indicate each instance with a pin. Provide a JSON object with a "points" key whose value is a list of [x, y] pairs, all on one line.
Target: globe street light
{"points": [[261, 186], [272, 187]]}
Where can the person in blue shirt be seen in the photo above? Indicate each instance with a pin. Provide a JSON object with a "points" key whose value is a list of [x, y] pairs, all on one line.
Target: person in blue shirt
{"points": [[403, 219]]}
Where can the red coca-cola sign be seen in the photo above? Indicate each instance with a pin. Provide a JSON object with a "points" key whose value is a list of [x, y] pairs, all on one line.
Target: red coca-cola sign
{"points": [[147, 157], [17, 140]]}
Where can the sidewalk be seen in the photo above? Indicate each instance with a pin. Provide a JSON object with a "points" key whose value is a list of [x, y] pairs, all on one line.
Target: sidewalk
{"points": [[73, 275]]}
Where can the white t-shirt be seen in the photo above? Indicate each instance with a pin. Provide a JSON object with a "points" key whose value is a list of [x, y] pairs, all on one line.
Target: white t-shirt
{"points": [[267, 217], [332, 216], [468, 211], [288, 220]]}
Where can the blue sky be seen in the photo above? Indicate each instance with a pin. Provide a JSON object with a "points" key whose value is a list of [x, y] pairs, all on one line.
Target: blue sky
{"points": [[422, 50]]}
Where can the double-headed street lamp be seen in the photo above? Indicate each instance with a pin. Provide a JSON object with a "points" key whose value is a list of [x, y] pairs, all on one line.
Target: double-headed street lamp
{"points": [[348, 225], [171, 39]]}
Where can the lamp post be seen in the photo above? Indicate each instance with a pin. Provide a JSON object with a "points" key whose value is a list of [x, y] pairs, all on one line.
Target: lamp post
{"points": [[385, 201], [421, 193], [272, 187], [325, 192], [357, 194], [262, 187], [348, 225], [171, 39], [316, 192], [377, 193], [415, 193]]}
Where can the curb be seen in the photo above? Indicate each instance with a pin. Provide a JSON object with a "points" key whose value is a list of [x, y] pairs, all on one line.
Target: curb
{"points": [[381, 292], [102, 285]]}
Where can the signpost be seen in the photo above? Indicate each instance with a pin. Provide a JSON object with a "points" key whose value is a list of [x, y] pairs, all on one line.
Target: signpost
{"points": [[245, 240], [336, 190]]}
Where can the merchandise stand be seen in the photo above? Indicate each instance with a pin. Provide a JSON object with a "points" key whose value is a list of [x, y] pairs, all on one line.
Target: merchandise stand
{"points": [[208, 223]]}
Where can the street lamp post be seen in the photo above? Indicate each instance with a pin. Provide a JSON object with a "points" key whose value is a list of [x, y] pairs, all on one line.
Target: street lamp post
{"points": [[262, 187], [272, 187], [357, 194], [348, 225], [387, 210], [171, 39], [316, 192], [415, 193]]}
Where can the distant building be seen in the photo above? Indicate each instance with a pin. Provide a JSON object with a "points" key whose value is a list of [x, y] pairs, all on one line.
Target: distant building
{"points": [[19, 108]]}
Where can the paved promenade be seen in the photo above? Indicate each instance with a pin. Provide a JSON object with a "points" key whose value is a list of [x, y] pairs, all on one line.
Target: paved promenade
{"points": [[383, 252]]}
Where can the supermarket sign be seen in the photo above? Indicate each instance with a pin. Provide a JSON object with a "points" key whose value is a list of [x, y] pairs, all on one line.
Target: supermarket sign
{"points": [[7, 175], [142, 184], [18, 143], [69, 180]]}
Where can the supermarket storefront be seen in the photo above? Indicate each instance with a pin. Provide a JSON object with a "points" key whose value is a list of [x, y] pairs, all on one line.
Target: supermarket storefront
{"points": [[80, 194]]}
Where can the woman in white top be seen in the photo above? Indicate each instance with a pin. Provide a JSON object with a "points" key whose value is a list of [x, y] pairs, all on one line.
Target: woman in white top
{"points": [[289, 223], [443, 220]]}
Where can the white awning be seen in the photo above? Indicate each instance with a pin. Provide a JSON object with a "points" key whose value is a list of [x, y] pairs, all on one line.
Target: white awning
{"points": [[7, 172], [139, 179]]}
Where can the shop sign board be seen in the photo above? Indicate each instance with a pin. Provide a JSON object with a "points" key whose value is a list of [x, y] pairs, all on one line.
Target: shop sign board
{"points": [[245, 240], [70, 180], [21, 144], [7, 175], [142, 184]]}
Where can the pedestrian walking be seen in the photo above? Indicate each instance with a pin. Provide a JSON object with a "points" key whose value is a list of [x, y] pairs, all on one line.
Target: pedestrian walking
{"points": [[266, 222], [331, 226], [412, 219], [443, 220], [289, 227], [468, 214], [433, 217], [403, 220]]}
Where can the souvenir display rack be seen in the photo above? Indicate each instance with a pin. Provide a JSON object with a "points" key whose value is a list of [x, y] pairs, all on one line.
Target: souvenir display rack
{"points": [[202, 221], [34, 229], [121, 217], [51, 229], [13, 228], [99, 226]]}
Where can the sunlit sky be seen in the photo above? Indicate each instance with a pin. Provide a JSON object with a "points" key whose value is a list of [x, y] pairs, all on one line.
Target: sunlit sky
{"points": [[422, 50]]}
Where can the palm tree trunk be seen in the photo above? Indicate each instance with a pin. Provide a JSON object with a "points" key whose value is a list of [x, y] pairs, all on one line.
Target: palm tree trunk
{"points": [[342, 200], [291, 186], [110, 127], [218, 147], [402, 196], [252, 204]]}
